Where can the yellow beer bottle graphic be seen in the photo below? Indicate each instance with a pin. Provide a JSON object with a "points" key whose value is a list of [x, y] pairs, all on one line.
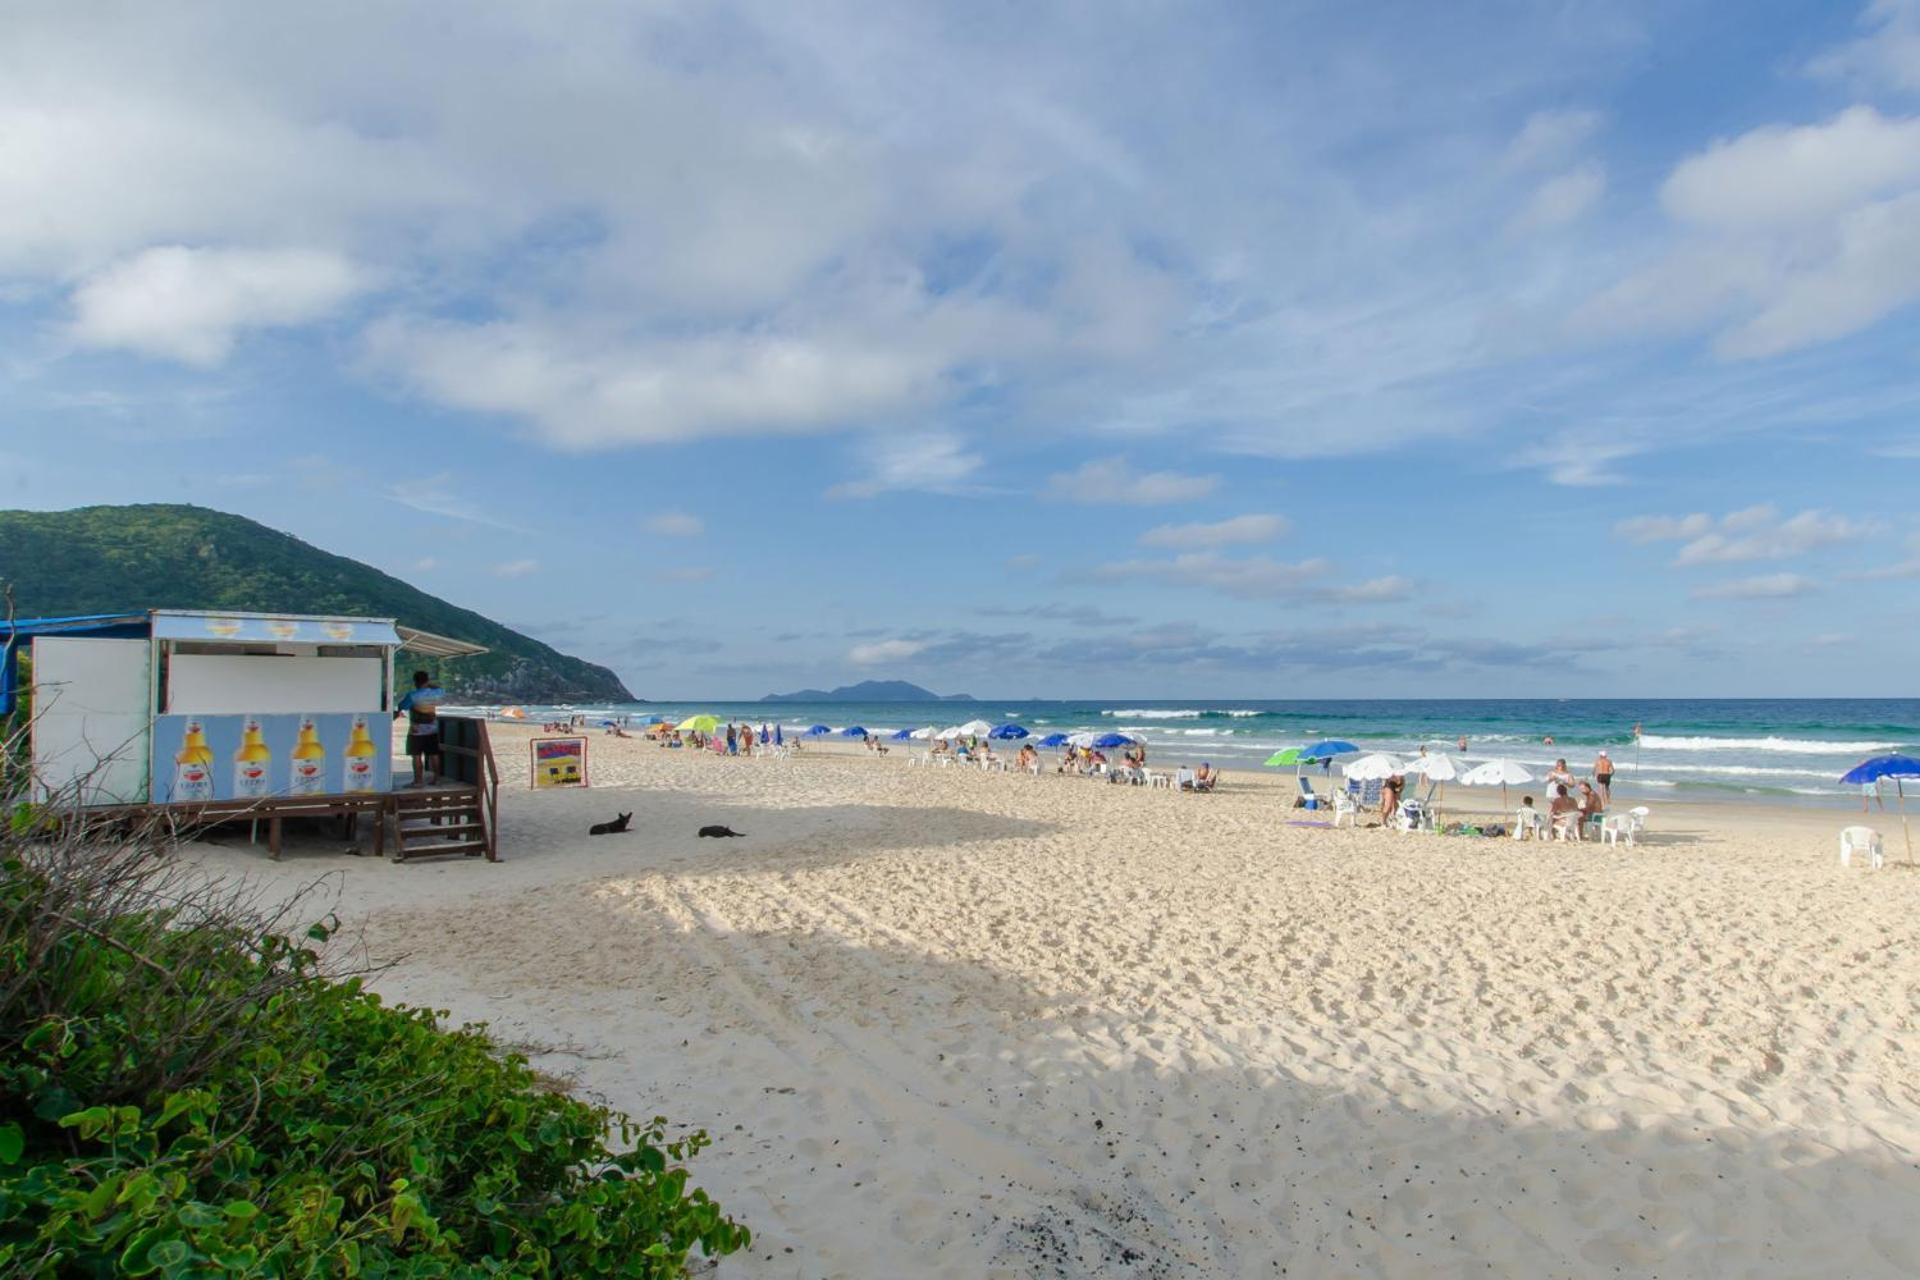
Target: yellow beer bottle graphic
{"points": [[309, 761], [193, 766], [250, 763], [359, 758]]}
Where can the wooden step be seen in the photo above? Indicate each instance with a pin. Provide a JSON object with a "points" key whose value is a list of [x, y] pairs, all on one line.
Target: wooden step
{"points": [[436, 830], [465, 848]]}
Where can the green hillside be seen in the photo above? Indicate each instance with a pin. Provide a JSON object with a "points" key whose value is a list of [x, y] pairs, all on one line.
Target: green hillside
{"points": [[108, 559]]}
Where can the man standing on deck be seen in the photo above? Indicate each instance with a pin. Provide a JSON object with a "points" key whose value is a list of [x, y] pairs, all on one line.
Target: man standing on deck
{"points": [[422, 709]]}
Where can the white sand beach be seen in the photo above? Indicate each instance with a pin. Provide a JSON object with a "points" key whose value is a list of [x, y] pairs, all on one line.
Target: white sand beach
{"points": [[942, 1023]]}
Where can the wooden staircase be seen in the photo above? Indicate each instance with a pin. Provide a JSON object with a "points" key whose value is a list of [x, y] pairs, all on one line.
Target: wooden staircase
{"points": [[440, 821], [459, 815]]}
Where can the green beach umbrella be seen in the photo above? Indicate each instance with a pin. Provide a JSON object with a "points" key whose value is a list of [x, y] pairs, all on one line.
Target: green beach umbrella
{"points": [[698, 724]]}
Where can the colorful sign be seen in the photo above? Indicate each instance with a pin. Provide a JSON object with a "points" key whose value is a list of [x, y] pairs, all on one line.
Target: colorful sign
{"points": [[241, 628], [559, 762], [253, 757]]}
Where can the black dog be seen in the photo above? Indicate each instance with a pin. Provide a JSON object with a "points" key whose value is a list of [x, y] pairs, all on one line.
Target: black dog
{"points": [[613, 828], [722, 833]]}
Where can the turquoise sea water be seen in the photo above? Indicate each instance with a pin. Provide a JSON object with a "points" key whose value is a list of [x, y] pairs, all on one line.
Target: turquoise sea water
{"points": [[1785, 750]]}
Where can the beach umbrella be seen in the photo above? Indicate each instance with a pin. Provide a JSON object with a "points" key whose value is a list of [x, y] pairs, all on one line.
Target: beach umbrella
{"points": [[952, 731], [1283, 757], [925, 732], [1375, 766], [817, 730], [1326, 748], [1004, 732], [974, 729], [1437, 767], [1497, 773], [779, 737], [1107, 741], [854, 731], [1054, 740], [698, 724], [1896, 767], [902, 736]]}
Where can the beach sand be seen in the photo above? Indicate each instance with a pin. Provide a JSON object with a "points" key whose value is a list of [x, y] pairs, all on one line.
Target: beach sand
{"points": [[942, 1023]]}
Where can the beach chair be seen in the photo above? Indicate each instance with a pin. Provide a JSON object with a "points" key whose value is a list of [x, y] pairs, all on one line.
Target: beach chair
{"points": [[1411, 815], [1183, 780], [1629, 824], [1862, 840], [1307, 793], [1346, 804]]}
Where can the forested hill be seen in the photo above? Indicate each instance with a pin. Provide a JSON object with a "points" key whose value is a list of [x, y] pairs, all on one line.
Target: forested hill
{"points": [[109, 559]]}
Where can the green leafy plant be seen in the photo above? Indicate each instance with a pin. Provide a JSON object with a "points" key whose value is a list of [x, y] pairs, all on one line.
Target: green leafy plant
{"points": [[186, 1091]]}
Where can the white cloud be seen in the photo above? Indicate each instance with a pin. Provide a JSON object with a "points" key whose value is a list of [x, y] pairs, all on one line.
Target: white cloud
{"points": [[931, 461], [1549, 136], [1222, 533], [519, 568], [425, 564], [1754, 533], [1581, 464], [1769, 586], [1888, 55], [1908, 568], [1561, 199], [882, 651], [1114, 480], [1789, 236], [190, 304], [1793, 175], [1252, 578], [676, 524], [1387, 590]]}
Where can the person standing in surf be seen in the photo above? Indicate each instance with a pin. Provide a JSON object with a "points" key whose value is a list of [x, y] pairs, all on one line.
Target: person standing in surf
{"points": [[1603, 777]]}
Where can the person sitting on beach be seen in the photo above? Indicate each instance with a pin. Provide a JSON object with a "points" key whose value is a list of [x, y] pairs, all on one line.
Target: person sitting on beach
{"points": [[1390, 789], [676, 741], [1592, 807], [1028, 757], [1564, 812], [1205, 778]]}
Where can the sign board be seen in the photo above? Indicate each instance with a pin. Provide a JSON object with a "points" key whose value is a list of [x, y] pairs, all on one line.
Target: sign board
{"points": [[243, 628], [559, 762], [257, 756]]}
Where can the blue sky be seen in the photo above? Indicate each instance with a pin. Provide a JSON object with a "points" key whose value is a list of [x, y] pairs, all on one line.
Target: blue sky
{"points": [[1106, 349]]}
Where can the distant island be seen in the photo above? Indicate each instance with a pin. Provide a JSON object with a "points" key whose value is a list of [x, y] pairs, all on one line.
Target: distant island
{"points": [[870, 691]]}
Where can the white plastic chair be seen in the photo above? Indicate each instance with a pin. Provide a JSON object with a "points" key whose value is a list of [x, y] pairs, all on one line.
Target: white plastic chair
{"points": [[1345, 806], [1529, 823], [1183, 780], [1629, 824], [1862, 840]]}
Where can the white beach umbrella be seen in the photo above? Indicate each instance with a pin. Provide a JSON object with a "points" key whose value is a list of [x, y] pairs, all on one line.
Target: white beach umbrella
{"points": [[1437, 767], [1371, 767], [924, 734], [1499, 772], [953, 731], [975, 729], [1081, 739]]}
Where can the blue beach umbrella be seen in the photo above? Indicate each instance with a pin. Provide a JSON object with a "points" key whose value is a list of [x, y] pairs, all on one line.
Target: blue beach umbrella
{"points": [[853, 731], [1007, 731], [901, 736], [1107, 741], [818, 730], [1054, 740], [1895, 767], [1327, 748], [779, 739]]}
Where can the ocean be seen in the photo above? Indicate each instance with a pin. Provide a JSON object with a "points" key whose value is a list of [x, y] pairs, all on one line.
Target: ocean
{"points": [[1780, 750]]}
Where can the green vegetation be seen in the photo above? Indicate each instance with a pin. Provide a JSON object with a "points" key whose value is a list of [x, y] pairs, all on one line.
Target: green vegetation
{"points": [[113, 559], [185, 1092]]}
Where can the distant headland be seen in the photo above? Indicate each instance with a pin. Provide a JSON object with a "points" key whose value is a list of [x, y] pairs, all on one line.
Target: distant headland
{"points": [[870, 691]]}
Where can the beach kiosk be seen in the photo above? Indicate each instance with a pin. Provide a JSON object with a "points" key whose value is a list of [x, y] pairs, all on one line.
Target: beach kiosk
{"points": [[211, 716]]}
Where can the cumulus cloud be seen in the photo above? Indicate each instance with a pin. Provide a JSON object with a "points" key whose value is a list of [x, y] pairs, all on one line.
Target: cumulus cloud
{"points": [[1561, 199], [930, 461], [1767, 586], [1221, 533], [1114, 480], [676, 524], [1250, 578], [190, 305], [1755, 533], [1789, 236], [882, 651]]}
